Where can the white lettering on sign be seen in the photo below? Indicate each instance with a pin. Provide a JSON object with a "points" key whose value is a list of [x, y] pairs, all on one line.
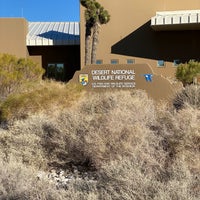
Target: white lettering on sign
{"points": [[119, 78], [108, 77], [125, 77], [114, 85], [100, 72], [122, 72]]}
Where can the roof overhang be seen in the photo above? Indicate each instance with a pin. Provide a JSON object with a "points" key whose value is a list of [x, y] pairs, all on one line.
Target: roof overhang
{"points": [[53, 33], [176, 20]]}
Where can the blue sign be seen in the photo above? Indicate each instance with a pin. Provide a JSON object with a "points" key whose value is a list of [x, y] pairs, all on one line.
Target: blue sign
{"points": [[148, 77]]}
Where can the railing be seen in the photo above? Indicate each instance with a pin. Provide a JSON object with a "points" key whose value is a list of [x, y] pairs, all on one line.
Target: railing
{"points": [[176, 17]]}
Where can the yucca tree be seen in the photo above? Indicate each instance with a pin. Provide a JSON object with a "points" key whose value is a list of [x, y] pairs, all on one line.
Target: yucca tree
{"points": [[89, 23], [95, 16]]}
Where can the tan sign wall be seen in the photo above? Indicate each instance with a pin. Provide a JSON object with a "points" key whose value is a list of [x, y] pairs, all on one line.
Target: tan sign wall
{"points": [[138, 76]]}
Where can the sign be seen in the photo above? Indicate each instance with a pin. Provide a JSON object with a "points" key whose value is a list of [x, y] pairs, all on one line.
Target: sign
{"points": [[122, 77], [83, 79], [113, 78]]}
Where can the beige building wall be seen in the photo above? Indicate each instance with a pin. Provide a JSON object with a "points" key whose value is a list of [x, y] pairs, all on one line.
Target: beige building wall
{"points": [[13, 33], [36, 59], [126, 17]]}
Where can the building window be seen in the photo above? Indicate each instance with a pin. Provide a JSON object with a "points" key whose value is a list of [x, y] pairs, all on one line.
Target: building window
{"points": [[130, 61], [177, 62], [55, 71], [161, 63], [114, 61], [99, 62]]}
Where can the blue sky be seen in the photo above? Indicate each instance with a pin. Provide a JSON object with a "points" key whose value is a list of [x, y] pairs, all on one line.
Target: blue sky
{"points": [[41, 10]]}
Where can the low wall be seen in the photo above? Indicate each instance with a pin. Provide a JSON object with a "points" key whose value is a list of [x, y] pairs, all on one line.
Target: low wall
{"points": [[115, 77]]}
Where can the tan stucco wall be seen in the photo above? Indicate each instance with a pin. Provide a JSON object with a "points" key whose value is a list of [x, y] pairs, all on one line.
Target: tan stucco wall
{"points": [[13, 33], [36, 59], [126, 17]]}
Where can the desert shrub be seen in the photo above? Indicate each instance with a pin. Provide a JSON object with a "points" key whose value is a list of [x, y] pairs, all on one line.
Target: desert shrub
{"points": [[102, 127], [186, 72], [181, 134], [16, 71], [126, 179], [135, 148], [190, 95], [186, 137], [41, 97], [20, 182], [22, 141], [98, 129]]}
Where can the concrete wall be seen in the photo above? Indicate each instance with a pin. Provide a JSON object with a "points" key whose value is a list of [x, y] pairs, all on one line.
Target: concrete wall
{"points": [[129, 35], [13, 33]]}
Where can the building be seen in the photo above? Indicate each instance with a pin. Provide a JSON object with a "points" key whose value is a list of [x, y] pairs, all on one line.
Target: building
{"points": [[160, 33], [54, 45]]}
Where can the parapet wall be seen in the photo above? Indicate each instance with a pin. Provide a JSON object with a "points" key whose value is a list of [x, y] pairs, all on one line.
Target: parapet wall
{"points": [[13, 33]]}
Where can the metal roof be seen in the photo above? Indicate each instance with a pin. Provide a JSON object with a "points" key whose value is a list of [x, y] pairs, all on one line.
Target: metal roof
{"points": [[176, 20], [53, 33]]}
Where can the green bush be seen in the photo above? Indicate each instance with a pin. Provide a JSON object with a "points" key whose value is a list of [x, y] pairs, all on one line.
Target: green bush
{"points": [[16, 71], [186, 72]]}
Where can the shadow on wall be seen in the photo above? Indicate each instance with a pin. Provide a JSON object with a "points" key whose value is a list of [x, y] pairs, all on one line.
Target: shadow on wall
{"points": [[61, 38], [160, 45]]}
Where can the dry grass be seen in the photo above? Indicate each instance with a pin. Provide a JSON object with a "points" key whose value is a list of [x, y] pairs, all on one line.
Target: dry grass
{"points": [[138, 150], [190, 95], [20, 182], [181, 133], [40, 97], [127, 180], [100, 128]]}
